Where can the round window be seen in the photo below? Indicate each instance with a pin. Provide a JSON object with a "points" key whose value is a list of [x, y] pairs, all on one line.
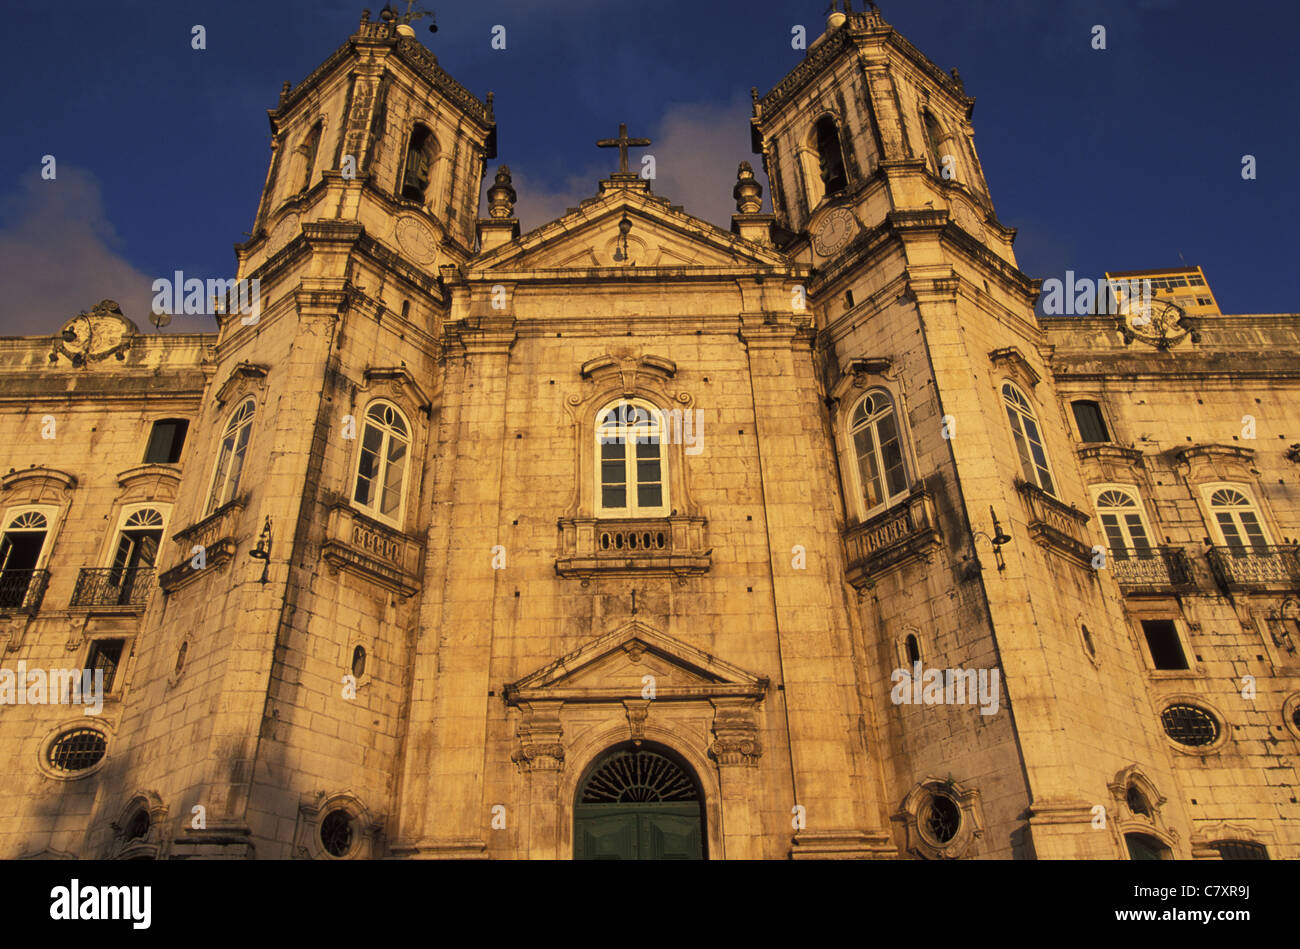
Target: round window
{"points": [[1190, 725], [941, 818], [336, 833], [77, 750]]}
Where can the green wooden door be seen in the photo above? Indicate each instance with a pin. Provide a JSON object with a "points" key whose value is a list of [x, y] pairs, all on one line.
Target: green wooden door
{"points": [[644, 831], [638, 804]]}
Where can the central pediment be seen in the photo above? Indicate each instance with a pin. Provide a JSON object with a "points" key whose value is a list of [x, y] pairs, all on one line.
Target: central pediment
{"points": [[614, 668], [655, 236]]}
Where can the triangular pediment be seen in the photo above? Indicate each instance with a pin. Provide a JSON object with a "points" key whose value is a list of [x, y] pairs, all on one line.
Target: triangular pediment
{"points": [[614, 668], [662, 237]]}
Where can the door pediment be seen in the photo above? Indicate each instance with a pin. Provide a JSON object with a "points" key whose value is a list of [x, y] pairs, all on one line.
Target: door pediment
{"points": [[613, 668]]}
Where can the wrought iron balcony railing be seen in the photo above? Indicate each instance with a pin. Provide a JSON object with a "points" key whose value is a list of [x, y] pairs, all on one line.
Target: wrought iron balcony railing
{"points": [[1152, 569], [113, 586], [1271, 569], [21, 591]]}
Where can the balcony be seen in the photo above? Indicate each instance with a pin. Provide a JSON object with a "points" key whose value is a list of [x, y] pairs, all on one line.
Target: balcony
{"points": [[1159, 570], [1054, 524], [113, 588], [1256, 569], [21, 591], [215, 534], [908, 531], [647, 546], [369, 549]]}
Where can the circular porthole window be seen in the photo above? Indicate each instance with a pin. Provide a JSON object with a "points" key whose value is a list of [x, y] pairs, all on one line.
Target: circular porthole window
{"points": [[940, 818], [336, 833], [1190, 725], [76, 750]]}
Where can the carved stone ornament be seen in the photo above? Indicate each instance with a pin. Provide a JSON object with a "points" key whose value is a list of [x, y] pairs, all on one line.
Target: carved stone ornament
{"points": [[96, 334]]}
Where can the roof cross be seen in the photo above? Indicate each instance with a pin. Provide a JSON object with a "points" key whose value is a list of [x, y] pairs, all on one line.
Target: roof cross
{"points": [[622, 143]]}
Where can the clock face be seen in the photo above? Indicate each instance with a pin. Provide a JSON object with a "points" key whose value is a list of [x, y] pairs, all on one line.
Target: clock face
{"points": [[834, 232]]}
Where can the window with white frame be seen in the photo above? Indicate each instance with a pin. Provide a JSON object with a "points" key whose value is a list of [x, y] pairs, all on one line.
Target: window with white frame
{"points": [[382, 462], [23, 548], [230, 459], [1028, 438], [878, 451], [1121, 518], [631, 468], [138, 540], [1237, 519]]}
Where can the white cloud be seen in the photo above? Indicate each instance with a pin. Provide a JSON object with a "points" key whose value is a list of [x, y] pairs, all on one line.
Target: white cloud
{"points": [[60, 255], [697, 148]]}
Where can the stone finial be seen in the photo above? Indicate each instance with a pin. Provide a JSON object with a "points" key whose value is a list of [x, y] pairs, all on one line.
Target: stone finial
{"points": [[501, 196], [365, 16], [956, 77], [748, 192], [284, 91]]}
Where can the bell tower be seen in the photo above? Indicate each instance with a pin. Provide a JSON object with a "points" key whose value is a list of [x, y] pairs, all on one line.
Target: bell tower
{"points": [[965, 533], [866, 121], [381, 136]]}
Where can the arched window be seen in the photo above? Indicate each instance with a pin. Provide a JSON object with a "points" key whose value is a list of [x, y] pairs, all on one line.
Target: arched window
{"points": [[913, 649], [830, 157], [308, 149], [1144, 847], [822, 160], [230, 460], [421, 153], [134, 557], [632, 471], [22, 550], [878, 447], [1240, 850], [935, 140], [1237, 520], [381, 463], [1121, 519], [1029, 442]]}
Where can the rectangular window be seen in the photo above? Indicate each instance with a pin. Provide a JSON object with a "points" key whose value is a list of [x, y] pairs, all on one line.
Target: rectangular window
{"points": [[1162, 641], [105, 654], [1092, 426], [166, 441]]}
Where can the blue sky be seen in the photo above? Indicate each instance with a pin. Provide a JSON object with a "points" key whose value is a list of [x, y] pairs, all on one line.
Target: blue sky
{"points": [[1118, 159]]}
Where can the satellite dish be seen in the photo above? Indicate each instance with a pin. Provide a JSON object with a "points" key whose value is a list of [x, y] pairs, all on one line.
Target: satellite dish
{"points": [[159, 320]]}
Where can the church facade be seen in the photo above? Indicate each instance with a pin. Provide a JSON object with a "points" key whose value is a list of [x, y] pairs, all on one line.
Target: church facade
{"points": [[634, 537]]}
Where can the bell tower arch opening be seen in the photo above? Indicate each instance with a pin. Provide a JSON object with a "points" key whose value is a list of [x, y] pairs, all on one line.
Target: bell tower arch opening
{"points": [[639, 802]]}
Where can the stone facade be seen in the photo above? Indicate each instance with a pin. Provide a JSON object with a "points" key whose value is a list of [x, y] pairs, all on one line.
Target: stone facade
{"points": [[453, 618]]}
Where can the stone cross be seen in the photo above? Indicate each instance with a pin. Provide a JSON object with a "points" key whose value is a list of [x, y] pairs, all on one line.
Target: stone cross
{"points": [[622, 143]]}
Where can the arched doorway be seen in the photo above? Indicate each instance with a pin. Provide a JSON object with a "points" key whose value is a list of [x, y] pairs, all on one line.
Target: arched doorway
{"points": [[638, 803]]}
